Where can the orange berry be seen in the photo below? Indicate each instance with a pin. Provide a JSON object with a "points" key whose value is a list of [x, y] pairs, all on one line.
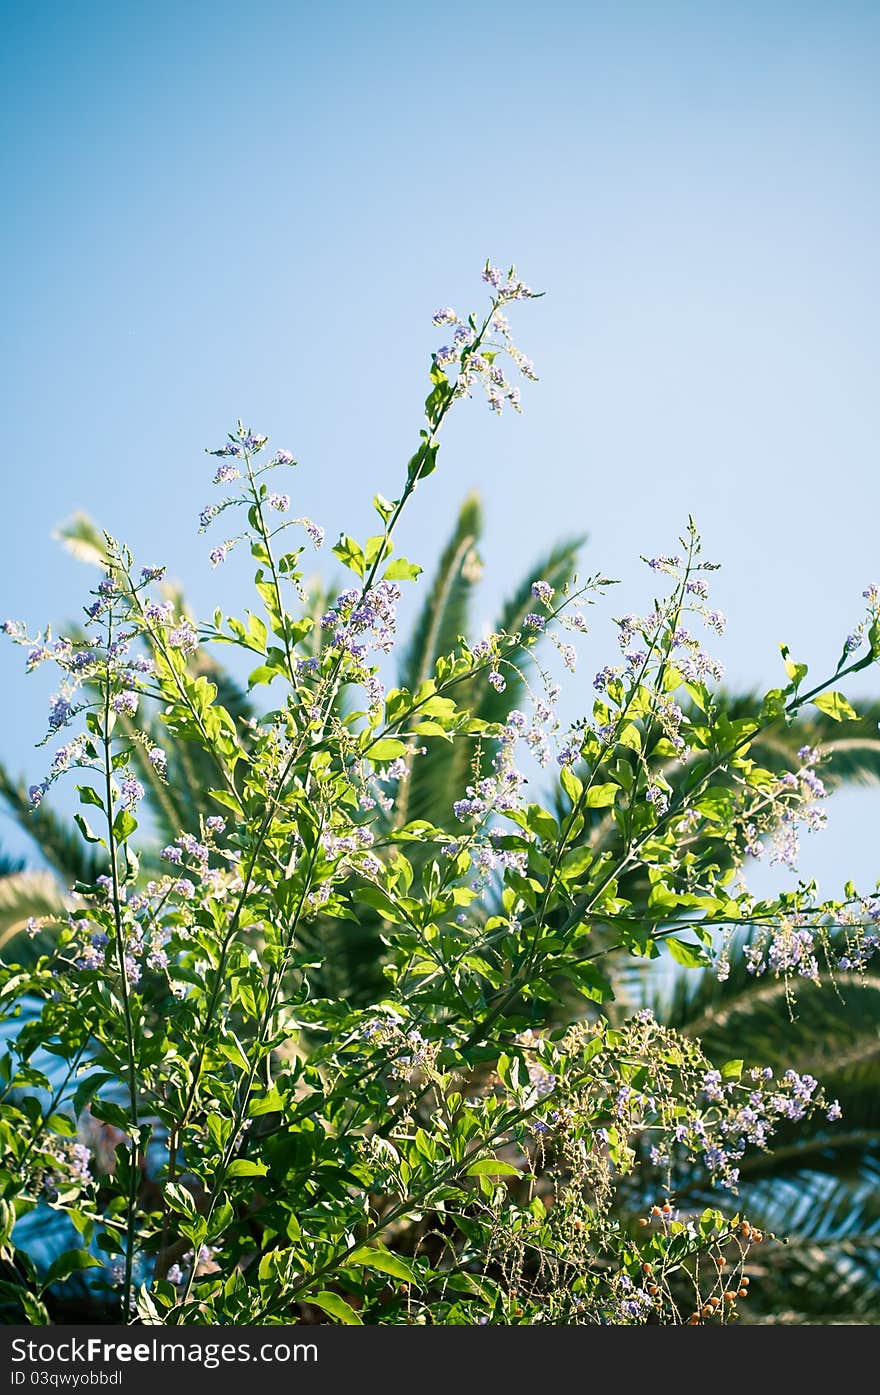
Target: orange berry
{"points": [[642, 1221]]}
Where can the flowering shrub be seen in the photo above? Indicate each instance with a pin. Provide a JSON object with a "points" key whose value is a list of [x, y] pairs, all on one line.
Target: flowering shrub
{"points": [[484, 1141]]}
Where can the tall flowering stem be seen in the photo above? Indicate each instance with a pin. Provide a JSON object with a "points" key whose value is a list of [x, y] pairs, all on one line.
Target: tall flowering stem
{"points": [[124, 989]]}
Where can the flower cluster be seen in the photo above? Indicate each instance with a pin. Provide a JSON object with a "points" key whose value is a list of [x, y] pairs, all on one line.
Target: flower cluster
{"points": [[360, 623], [474, 355]]}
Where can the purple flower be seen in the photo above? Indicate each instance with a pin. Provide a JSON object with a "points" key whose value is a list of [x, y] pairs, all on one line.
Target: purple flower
{"points": [[497, 680], [159, 612], [158, 760], [218, 555], [534, 622], [603, 678], [226, 473], [80, 1158], [125, 703], [445, 316], [35, 795], [712, 1087], [514, 289], [184, 638], [283, 457], [132, 792], [36, 656], [279, 502], [60, 712]]}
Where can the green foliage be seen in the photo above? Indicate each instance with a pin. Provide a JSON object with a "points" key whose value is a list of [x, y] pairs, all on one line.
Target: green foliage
{"points": [[231, 1126]]}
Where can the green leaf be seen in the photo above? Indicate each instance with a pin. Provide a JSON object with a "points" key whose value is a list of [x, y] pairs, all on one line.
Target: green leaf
{"points": [[402, 570], [386, 749], [349, 552], [335, 1306], [601, 796], [690, 956], [70, 1262], [180, 1199], [732, 1070], [835, 706], [244, 1167], [87, 831], [270, 1103], [383, 507], [571, 784], [492, 1167], [385, 1262], [89, 796], [124, 825], [263, 673]]}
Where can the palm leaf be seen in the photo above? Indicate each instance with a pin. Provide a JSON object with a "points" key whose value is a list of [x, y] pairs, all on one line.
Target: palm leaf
{"points": [[62, 848], [444, 616], [24, 895]]}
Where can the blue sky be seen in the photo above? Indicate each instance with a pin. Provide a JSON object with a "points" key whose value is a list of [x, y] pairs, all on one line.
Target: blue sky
{"points": [[217, 210]]}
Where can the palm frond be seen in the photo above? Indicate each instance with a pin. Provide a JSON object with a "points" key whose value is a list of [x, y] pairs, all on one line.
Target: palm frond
{"points": [[444, 615], [26, 895], [852, 749], [9, 864], [62, 848], [84, 540]]}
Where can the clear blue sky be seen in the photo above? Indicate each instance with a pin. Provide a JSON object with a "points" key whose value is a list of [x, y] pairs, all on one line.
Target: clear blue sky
{"points": [[214, 210]]}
